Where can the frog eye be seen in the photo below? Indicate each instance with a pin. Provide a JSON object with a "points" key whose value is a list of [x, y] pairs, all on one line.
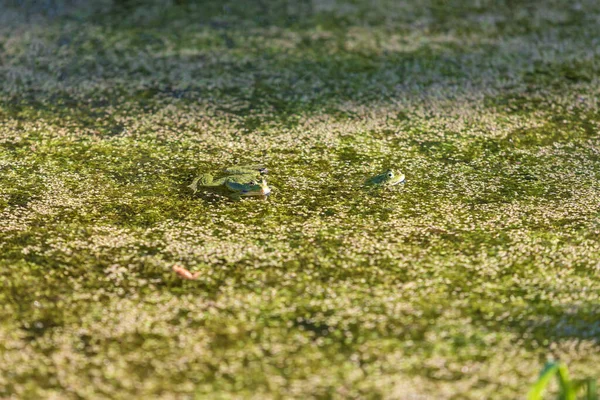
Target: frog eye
{"points": [[390, 174]]}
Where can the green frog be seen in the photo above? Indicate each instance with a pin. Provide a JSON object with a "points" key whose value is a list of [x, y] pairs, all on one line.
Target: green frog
{"points": [[387, 178], [245, 180]]}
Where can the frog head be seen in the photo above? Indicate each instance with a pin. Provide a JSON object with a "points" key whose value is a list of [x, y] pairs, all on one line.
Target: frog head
{"points": [[250, 189], [389, 177]]}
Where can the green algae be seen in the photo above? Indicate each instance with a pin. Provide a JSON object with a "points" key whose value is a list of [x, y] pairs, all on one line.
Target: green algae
{"points": [[460, 283]]}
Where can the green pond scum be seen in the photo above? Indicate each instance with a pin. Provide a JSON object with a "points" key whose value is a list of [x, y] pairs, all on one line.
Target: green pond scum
{"points": [[460, 283]]}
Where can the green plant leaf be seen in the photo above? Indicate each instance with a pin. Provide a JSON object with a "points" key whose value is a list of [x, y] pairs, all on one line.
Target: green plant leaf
{"points": [[549, 370]]}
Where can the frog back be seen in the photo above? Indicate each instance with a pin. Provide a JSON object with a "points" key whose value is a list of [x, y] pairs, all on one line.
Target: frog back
{"points": [[378, 180]]}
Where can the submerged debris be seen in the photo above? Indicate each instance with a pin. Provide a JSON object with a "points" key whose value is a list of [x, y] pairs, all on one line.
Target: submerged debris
{"points": [[185, 274]]}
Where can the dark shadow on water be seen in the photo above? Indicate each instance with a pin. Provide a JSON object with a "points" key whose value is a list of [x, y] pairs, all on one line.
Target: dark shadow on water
{"points": [[316, 74]]}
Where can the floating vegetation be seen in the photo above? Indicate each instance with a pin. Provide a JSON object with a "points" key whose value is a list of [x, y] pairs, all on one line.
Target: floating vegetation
{"points": [[453, 285]]}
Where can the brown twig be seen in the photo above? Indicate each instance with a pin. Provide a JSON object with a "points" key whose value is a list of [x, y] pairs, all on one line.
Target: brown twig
{"points": [[184, 273]]}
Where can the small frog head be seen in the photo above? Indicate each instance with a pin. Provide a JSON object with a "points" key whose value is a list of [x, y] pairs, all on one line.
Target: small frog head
{"points": [[387, 178], [393, 177]]}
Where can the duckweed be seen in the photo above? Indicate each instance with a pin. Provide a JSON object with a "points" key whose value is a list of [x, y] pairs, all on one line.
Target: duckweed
{"points": [[459, 284]]}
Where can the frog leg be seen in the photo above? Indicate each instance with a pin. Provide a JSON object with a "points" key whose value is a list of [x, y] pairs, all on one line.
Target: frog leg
{"points": [[194, 185], [202, 180], [235, 196]]}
